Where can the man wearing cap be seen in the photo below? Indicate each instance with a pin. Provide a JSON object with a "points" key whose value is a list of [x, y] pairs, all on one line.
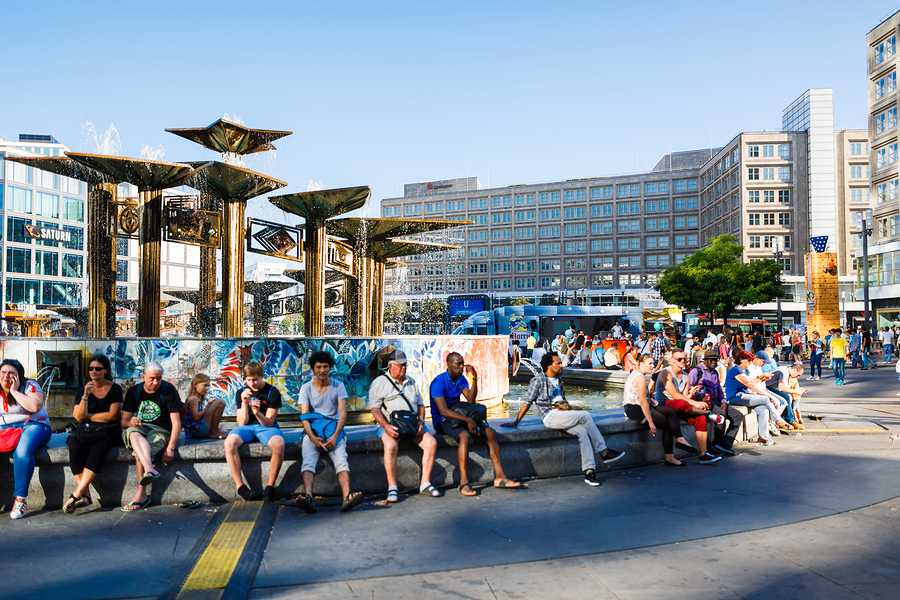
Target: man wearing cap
{"points": [[707, 378], [394, 391], [688, 344]]}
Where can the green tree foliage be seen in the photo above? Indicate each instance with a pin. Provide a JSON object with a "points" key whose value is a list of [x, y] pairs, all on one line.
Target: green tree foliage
{"points": [[434, 312], [519, 302], [396, 311], [714, 280]]}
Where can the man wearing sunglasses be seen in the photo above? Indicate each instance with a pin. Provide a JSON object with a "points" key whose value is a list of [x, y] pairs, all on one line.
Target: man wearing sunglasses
{"points": [[707, 378]]}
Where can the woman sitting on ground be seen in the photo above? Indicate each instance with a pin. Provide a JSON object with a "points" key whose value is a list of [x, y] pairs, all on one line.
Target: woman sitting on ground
{"points": [[98, 410], [22, 407], [738, 391], [640, 407], [203, 419]]}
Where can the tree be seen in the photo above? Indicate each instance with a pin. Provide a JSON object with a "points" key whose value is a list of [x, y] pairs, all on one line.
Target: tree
{"points": [[519, 302], [396, 311], [434, 312], [714, 280]]}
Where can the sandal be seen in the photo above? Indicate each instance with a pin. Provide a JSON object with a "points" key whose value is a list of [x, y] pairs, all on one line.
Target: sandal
{"points": [[392, 495], [351, 501], [83, 501], [148, 478], [70, 508], [504, 485], [430, 491], [135, 506], [467, 486], [306, 503]]}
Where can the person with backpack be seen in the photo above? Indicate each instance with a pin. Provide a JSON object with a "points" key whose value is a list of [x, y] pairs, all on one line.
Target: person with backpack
{"points": [[151, 423], [257, 408]]}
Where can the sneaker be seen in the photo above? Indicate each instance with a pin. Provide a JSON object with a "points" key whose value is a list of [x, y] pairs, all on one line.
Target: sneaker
{"points": [[810, 378], [392, 495], [609, 455], [717, 419], [707, 459], [18, 509], [590, 478], [724, 449], [774, 431], [818, 377], [766, 443]]}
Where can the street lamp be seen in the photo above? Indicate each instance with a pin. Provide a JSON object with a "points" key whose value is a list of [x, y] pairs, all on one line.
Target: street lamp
{"points": [[778, 252], [844, 306], [864, 226]]}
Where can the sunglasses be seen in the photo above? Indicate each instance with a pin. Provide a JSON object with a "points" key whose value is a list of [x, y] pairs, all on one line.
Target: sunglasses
{"points": [[11, 361], [96, 369], [678, 359]]}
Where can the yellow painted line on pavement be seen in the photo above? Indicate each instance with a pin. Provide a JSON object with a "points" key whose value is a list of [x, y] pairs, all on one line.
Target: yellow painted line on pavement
{"points": [[216, 565]]}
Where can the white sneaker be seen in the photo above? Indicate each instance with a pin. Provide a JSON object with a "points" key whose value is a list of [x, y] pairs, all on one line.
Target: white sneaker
{"points": [[818, 378], [810, 378], [18, 509], [717, 419]]}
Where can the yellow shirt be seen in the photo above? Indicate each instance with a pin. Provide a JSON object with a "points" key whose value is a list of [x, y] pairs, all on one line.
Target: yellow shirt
{"points": [[838, 347]]}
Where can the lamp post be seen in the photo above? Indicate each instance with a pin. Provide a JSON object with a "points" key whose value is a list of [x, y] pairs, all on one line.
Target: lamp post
{"points": [[778, 253], [864, 226], [844, 306]]}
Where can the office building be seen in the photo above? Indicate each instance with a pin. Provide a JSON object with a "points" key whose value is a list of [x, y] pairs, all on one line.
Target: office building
{"points": [[49, 270]]}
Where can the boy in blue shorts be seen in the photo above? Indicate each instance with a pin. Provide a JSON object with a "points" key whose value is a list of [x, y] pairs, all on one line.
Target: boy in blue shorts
{"points": [[257, 406]]}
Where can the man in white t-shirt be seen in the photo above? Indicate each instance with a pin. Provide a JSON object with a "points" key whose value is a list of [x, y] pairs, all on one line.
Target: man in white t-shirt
{"points": [[617, 331], [887, 343], [391, 392], [327, 398], [538, 353]]}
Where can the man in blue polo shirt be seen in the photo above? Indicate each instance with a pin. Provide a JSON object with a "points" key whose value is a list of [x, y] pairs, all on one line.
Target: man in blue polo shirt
{"points": [[448, 390]]}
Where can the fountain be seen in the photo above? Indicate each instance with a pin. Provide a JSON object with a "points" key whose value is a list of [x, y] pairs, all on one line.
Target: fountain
{"points": [[316, 207], [102, 192], [151, 178], [262, 310]]}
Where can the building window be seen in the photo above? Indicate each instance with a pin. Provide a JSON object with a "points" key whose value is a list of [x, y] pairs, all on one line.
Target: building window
{"points": [[18, 260], [753, 219], [752, 151], [768, 218], [754, 241], [768, 151], [880, 121], [768, 173], [784, 173], [784, 151], [46, 263], [769, 196], [753, 173], [784, 219], [856, 149], [753, 196]]}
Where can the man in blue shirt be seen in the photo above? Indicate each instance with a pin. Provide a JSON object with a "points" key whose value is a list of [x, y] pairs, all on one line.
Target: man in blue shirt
{"points": [[448, 390]]}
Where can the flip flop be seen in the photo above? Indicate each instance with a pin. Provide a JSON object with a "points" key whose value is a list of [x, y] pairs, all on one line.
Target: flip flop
{"points": [[148, 478], [504, 485], [469, 486], [135, 506], [354, 499]]}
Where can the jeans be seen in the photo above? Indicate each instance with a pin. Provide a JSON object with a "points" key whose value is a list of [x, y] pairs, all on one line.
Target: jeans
{"points": [[722, 436], [34, 435], [866, 359], [815, 361], [887, 352], [759, 404], [788, 413], [838, 368], [581, 425]]}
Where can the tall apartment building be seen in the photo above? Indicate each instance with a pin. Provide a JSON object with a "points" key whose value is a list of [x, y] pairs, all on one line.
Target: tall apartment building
{"points": [[600, 236], [41, 271], [595, 234], [884, 253]]}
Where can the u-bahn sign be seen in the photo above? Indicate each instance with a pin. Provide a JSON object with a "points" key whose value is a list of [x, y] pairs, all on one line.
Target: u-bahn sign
{"points": [[52, 234], [275, 239]]}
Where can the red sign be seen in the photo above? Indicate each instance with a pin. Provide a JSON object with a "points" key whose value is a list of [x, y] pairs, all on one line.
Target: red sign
{"points": [[439, 186]]}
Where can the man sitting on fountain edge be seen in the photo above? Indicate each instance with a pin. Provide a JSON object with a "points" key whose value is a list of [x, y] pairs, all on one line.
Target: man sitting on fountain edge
{"points": [[447, 391], [546, 390]]}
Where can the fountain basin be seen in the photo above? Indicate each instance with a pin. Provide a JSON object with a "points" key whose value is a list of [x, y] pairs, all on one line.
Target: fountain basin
{"points": [[60, 364]]}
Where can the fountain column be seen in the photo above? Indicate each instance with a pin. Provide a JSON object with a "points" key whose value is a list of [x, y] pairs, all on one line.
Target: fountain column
{"points": [[358, 300], [206, 301], [315, 255], [101, 258], [377, 323], [149, 247], [233, 270]]}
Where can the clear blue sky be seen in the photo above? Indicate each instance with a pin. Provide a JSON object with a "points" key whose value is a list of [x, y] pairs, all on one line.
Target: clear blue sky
{"points": [[386, 93]]}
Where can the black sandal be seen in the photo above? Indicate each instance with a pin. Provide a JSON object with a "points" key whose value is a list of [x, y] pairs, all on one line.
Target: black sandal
{"points": [[71, 507], [82, 502]]}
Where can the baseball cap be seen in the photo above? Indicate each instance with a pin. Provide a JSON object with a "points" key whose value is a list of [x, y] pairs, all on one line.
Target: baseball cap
{"points": [[689, 335], [398, 356], [761, 355]]}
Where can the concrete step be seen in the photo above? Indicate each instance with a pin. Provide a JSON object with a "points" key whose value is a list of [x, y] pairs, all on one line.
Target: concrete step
{"points": [[199, 471]]}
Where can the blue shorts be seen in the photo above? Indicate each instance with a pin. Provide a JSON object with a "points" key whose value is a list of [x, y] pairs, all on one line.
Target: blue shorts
{"points": [[252, 433], [198, 430]]}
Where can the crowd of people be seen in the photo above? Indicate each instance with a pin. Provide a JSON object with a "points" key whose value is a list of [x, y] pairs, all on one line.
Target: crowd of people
{"points": [[699, 384]]}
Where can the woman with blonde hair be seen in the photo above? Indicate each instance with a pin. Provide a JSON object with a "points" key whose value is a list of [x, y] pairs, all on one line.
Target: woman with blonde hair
{"points": [[201, 418]]}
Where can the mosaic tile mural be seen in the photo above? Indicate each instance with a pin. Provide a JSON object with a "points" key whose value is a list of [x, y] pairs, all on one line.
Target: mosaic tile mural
{"points": [[51, 362]]}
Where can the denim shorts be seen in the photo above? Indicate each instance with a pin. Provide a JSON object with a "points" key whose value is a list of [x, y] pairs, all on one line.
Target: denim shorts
{"points": [[199, 430], [252, 433]]}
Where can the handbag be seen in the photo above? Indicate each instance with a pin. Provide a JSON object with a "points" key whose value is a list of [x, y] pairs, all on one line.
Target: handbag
{"points": [[476, 412], [88, 432], [406, 421], [9, 437]]}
